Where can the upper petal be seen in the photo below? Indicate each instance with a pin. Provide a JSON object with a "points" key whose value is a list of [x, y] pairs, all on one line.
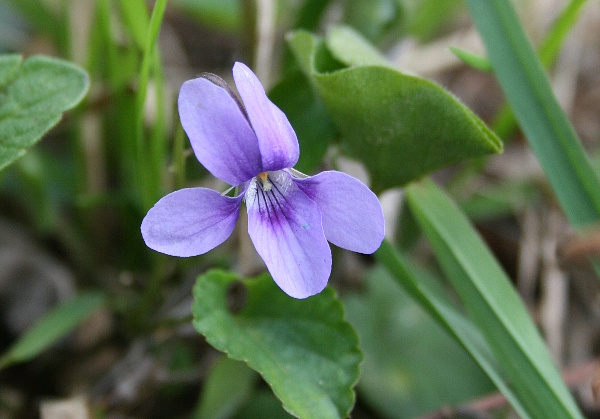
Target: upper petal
{"points": [[190, 222], [276, 138], [285, 227], [219, 132], [352, 215]]}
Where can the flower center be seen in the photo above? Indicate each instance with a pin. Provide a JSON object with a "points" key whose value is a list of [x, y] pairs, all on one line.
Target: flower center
{"points": [[264, 178]]}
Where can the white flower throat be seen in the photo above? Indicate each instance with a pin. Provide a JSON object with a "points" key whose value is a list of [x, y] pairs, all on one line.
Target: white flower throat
{"points": [[264, 178]]}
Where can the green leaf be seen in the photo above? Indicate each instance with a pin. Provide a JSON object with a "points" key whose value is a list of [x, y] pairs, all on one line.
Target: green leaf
{"points": [[303, 349], [33, 96], [352, 49], [52, 327], [541, 118], [400, 126], [373, 19], [222, 396], [9, 66], [430, 372], [424, 19], [310, 14], [492, 303]]}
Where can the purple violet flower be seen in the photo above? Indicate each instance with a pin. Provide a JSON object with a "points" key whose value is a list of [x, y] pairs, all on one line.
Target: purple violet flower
{"points": [[290, 216]]}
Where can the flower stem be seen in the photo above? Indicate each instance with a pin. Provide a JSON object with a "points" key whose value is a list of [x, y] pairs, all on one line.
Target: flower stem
{"points": [[179, 156]]}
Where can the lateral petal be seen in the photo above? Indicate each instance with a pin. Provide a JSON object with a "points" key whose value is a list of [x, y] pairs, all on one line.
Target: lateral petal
{"points": [[190, 222], [351, 213], [219, 132], [276, 138], [285, 227]]}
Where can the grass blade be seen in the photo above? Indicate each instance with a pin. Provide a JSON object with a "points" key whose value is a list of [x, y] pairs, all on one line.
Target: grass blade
{"points": [[544, 123], [52, 327], [148, 172], [492, 303], [455, 323]]}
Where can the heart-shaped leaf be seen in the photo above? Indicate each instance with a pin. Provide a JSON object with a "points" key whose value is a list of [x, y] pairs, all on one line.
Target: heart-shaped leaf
{"points": [[33, 95], [400, 126], [304, 349]]}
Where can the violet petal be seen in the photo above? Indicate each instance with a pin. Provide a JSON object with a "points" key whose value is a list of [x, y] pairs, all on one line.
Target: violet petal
{"points": [[276, 138], [190, 222], [219, 132], [285, 227], [351, 213]]}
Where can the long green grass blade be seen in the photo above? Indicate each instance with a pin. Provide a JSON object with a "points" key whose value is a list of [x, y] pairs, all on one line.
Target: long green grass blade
{"points": [[148, 172], [504, 123], [492, 304], [544, 123], [551, 45], [548, 49], [135, 15], [455, 323], [52, 327]]}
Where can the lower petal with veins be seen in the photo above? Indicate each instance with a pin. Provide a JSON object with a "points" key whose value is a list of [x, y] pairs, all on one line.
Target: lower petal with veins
{"points": [[285, 227]]}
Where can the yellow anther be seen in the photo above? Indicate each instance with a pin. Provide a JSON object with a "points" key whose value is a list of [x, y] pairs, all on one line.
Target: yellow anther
{"points": [[264, 178]]}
